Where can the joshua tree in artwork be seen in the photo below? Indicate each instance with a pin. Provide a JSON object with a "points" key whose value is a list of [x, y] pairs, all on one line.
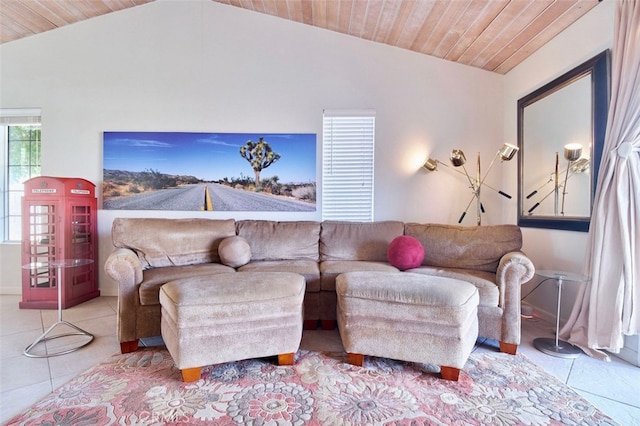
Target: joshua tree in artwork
{"points": [[260, 155]]}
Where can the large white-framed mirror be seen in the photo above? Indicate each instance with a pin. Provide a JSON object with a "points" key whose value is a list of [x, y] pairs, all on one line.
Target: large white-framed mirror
{"points": [[561, 129]]}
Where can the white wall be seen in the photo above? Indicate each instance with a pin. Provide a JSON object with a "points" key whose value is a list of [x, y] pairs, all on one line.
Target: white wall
{"points": [[551, 249], [202, 66]]}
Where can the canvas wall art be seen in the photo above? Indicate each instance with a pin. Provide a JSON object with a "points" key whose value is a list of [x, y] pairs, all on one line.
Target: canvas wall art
{"points": [[209, 171]]}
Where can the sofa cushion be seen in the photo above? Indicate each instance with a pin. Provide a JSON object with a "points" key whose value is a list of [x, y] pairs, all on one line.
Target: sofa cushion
{"points": [[330, 269], [271, 240], [405, 252], [172, 242], [234, 251], [366, 241], [485, 282], [307, 268], [474, 247], [153, 279]]}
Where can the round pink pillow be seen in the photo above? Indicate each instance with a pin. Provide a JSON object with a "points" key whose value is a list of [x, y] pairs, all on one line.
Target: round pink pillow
{"points": [[405, 252]]}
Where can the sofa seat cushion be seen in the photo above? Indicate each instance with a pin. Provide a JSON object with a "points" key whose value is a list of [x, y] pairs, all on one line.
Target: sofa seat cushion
{"points": [[485, 282], [307, 268], [330, 269], [153, 279]]}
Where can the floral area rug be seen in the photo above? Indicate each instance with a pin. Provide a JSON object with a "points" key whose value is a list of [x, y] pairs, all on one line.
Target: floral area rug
{"points": [[145, 388]]}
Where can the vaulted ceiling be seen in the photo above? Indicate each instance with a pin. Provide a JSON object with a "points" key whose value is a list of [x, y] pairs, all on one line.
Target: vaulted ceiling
{"points": [[495, 35]]}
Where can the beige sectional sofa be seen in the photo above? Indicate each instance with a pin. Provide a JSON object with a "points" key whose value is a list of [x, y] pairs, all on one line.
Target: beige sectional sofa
{"points": [[151, 252]]}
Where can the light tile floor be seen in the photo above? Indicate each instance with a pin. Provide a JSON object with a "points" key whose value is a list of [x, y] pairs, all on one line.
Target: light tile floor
{"points": [[613, 387]]}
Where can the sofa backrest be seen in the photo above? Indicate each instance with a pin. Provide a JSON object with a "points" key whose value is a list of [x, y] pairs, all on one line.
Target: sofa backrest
{"points": [[271, 240], [357, 240], [466, 247], [169, 242]]}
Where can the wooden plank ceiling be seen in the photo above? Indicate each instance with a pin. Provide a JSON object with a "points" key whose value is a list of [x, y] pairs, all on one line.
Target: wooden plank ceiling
{"points": [[495, 35]]}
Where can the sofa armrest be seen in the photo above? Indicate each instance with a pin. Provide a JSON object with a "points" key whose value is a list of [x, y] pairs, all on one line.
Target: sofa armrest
{"points": [[124, 267], [514, 269]]}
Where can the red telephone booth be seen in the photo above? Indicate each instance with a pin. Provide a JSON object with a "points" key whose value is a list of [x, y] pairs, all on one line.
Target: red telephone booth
{"points": [[59, 221]]}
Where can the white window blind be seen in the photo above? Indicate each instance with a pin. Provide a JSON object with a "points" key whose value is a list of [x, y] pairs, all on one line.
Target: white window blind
{"points": [[347, 165], [19, 116]]}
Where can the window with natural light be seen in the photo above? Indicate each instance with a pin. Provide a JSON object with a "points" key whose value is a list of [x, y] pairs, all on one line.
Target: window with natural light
{"points": [[21, 153]]}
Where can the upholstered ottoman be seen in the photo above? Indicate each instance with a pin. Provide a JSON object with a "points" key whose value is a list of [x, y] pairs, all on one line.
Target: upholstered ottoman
{"points": [[219, 318], [409, 317]]}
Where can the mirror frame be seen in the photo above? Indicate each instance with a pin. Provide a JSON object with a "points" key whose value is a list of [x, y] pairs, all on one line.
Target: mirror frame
{"points": [[599, 69]]}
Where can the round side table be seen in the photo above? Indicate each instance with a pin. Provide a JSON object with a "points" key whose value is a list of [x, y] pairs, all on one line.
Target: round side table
{"points": [[60, 265], [556, 347]]}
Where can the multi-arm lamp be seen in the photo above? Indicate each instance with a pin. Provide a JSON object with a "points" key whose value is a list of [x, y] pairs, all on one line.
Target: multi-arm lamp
{"points": [[576, 164], [458, 159]]}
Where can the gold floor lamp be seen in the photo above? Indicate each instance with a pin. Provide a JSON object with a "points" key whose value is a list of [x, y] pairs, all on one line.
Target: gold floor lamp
{"points": [[458, 159]]}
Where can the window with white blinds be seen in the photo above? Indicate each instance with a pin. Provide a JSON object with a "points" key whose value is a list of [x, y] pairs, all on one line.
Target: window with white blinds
{"points": [[347, 165]]}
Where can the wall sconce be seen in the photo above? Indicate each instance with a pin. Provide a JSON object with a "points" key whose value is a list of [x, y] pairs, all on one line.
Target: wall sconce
{"points": [[458, 159], [575, 165]]}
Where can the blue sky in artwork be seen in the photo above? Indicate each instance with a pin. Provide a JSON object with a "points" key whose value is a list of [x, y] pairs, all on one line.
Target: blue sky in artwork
{"points": [[210, 156]]}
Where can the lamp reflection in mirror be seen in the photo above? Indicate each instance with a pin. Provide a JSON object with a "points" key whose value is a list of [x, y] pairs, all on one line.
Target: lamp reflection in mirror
{"points": [[458, 160], [572, 152], [576, 164], [582, 165]]}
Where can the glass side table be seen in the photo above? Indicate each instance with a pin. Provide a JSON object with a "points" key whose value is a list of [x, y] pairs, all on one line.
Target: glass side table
{"points": [[60, 265], [556, 347]]}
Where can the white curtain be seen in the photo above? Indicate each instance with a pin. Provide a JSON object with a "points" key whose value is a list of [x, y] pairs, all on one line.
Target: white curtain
{"points": [[608, 306]]}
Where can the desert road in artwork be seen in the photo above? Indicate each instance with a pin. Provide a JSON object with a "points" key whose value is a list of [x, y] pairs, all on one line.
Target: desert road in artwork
{"points": [[209, 196]]}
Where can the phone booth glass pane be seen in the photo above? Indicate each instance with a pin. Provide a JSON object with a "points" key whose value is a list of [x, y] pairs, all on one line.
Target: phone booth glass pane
{"points": [[42, 245]]}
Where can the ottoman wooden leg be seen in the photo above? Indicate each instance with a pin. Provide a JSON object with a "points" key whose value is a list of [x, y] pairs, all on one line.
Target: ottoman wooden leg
{"points": [[286, 359], [310, 324], [328, 324], [449, 373], [190, 374], [127, 347], [508, 348], [355, 359]]}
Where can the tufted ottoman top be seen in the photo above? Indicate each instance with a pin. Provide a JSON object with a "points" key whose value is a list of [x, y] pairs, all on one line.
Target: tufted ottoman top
{"points": [[417, 300], [231, 297], [405, 288]]}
